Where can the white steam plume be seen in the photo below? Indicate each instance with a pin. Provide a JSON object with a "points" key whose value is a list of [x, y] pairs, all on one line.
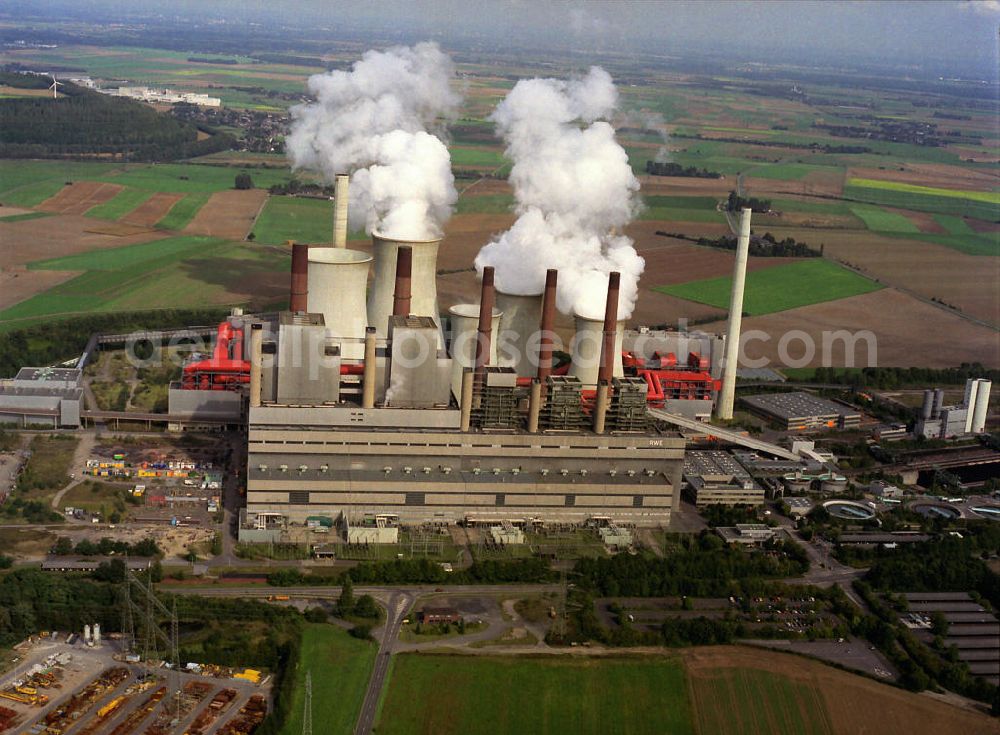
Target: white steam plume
{"points": [[575, 192], [373, 122]]}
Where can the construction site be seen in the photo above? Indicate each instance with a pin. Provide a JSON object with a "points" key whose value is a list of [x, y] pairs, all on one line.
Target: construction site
{"points": [[127, 682]]}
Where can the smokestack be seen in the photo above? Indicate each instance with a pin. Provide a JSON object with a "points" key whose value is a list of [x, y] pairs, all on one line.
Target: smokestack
{"points": [[521, 315], [340, 199], [547, 325], [464, 338], [605, 369], [368, 378], [724, 409], [467, 392], [423, 281], [483, 339], [403, 295], [338, 279], [534, 405], [982, 406], [299, 297], [256, 356]]}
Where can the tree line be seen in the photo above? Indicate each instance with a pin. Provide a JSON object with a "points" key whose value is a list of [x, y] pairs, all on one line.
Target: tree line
{"points": [[82, 123], [735, 202], [669, 168]]}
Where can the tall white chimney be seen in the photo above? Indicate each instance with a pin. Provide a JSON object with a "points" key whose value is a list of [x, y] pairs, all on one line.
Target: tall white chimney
{"points": [[724, 407], [338, 280], [586, 350], [340, 199], [522, 315], [423, 281], [464, 333]]}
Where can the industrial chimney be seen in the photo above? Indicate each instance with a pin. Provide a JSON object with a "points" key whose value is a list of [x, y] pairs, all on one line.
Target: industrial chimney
{"points": [[981, 407], [340, 199], [521, 317], [338, 278], [298, 296], [727, 395], [424, 281], [464, 334]]}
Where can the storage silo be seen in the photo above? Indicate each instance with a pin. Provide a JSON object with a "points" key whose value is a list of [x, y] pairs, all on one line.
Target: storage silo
{"points": [[519, 326], [338, 279], [464, 332], [938, 403], [928, 407], [424, 281], [982, 406]]}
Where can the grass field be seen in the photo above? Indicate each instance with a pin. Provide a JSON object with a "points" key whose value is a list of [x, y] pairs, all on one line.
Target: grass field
{"points": [[25, 216], [970, 244], [468, 695], [485, 204], [121, 258], [477, 157], [294, 218], [990, 197], [954, 225], [921, 199], [182, 212], [751, 701], [121, 204], [780, 288], [786, 171], [340, 666], [681, 209], [879, 220]]}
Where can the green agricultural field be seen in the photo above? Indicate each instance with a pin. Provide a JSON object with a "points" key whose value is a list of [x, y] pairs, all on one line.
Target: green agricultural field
{"points": [[786, 171], [485, 204], [479, 694], [340, 666], [987, 243], [879, 220], [779, 288], [27, 183], [924, 202], [121, 204], [25, 216], [184, 178], [954, 225], [810, 207], [114, 259], [990, 197], [681, 209], [294, 218], [182, 212], [476, 157]]}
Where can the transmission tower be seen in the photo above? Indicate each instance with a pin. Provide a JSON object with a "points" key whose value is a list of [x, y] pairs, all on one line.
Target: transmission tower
{"points": [[152, 631], [307, 712]]}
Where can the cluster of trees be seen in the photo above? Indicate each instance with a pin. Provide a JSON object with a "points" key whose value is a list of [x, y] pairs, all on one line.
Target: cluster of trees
{"points": [[243, 181], [423, 571], [766, 246], [358, 607], [735, 203], [294, 186], [33, 511], [54, 341], [657, 168], [106, 546], [82, 123], [705, 568], [889, 378]]}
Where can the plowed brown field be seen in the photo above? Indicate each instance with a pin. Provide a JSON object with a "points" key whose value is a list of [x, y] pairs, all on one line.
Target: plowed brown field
{"points": [[228, 214], [78, 197], [153, 209]]}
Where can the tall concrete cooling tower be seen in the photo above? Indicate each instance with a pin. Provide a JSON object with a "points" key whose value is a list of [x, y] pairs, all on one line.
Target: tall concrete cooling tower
{"points": [[340, 199], [724, 408], [464, 331], [971, 389], [338, 279], [518, 332], [982, 406], [423, 287], [586, 350]]}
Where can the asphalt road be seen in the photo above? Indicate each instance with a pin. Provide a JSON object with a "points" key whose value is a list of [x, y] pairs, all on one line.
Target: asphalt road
{"points": [[399, 604]]}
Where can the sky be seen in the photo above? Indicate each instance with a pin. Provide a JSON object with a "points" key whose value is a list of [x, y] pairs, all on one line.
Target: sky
{"points": [[963, 32]]}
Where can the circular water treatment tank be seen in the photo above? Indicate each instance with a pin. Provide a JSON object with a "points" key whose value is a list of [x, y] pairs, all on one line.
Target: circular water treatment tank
{"points": [[991, 512], [849, 510], [937, 510]]}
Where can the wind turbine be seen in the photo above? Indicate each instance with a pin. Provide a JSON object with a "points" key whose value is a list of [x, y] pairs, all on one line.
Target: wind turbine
{"points": [[55, 87]]}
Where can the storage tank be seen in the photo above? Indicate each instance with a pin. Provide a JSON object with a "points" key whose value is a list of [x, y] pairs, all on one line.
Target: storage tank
{"points": [[519, 326], [982, 406], [424, 281], [928, 407], [586, 350], [338, 279], [464, 326]]}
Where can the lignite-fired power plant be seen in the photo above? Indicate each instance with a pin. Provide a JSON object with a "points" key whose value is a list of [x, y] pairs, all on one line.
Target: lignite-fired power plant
{"points": [[364, 403]]}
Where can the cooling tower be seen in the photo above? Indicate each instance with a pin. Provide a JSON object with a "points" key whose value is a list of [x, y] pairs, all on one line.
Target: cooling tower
{"points": [[971, 388], [424, 281], [518, 346], [982, 406], [340, 199], [338, 278], [464, 326], [586, 350], [727, 394]]}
